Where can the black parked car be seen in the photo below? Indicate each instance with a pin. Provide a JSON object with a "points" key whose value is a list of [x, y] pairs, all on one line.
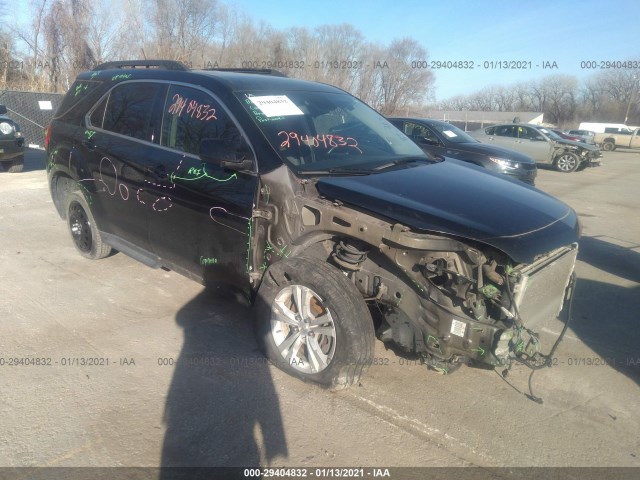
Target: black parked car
{"points": [[441, 138], [11, 143], [316, 206]]}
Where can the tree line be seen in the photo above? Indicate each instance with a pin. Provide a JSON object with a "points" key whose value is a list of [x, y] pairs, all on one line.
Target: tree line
{"points": [[64, 37], [607, 96]]}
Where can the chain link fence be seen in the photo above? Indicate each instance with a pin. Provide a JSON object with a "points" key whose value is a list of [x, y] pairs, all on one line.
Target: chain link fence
{"points": [[32, 111]]}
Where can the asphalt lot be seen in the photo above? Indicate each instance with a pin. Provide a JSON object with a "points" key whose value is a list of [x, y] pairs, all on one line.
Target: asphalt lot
{"points": [[158, 402]]}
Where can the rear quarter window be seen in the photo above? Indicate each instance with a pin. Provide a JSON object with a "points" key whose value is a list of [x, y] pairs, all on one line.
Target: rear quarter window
{"points": [[80, 91]]}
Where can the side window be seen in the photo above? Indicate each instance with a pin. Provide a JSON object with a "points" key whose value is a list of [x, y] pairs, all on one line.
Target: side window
{"points": [[490, 130], [429, 135], [190, 116], [524, 132], [130, 110], [419, 132], [414, 130], [505, 131]]}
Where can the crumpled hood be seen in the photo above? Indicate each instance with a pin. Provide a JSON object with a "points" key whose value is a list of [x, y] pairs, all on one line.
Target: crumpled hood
{"points": [[454, 198], [587, 146]]}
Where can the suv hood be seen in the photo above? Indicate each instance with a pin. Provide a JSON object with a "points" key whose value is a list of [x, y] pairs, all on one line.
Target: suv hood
{"points": [[452, 198]]}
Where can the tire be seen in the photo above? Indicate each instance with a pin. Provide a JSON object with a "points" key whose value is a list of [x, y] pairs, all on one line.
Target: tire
{"points": [[567, 162], [334, 353], [16, 165], [82, 227], [608, 146]]}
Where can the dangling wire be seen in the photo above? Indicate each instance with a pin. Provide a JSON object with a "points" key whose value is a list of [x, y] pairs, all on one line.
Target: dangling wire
{"points": [[531, 360]]}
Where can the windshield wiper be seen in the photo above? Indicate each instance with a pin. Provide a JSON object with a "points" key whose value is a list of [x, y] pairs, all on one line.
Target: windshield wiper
{"points": [[338, 171], [401, 161], [366, 171]]}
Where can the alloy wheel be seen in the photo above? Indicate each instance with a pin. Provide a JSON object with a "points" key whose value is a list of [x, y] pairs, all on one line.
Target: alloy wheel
{"points": [[303, 329]]}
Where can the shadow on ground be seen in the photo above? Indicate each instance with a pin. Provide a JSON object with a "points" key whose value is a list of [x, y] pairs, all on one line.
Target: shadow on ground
{"points": [[623, 262], [605, 316], [222, 408]]}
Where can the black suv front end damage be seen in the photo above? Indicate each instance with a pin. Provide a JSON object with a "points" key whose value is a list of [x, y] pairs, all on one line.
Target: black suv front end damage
{"points": [[450, 289]]}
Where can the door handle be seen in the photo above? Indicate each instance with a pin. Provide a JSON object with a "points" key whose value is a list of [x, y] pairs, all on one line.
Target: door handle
{"points": [[157, 174]]}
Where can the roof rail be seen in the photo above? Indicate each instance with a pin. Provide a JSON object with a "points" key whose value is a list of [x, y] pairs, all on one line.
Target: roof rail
{"points": [[159, 64], [257, 71]]}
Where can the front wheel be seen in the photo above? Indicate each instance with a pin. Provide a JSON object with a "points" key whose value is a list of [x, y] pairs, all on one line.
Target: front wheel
{"points": [[83, 229], [567, 162], [608, 146], [312, 323], [16, 165]]}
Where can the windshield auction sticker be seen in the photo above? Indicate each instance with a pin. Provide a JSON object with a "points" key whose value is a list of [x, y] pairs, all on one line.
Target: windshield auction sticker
{"points": [[276, 105]]}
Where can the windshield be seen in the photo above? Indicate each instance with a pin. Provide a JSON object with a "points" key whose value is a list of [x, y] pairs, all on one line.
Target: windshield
{"points": [[320, 131], [452, 133], [550, 134]]}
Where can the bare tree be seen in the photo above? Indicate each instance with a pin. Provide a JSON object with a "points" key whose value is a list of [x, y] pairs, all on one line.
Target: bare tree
{"points": [[54, 26], [31, 36], [105, 28], [182, 29], [560, 98], [402, 85], [229, 20], [339, 54]]}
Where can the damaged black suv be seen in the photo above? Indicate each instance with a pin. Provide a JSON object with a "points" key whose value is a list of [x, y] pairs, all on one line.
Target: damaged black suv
{"points": [[317, 207]]}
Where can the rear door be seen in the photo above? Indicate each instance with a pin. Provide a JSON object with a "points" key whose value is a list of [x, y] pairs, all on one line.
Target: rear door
{"points": [[201, 213], [502, 135], [122, 129]]}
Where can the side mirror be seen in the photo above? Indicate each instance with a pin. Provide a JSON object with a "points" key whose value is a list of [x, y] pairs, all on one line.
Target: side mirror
{"points": [[226, 154], [3, 110]]}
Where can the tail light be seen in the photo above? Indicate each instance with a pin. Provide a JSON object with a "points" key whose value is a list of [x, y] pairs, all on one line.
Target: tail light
{"points": [[47, 136]]}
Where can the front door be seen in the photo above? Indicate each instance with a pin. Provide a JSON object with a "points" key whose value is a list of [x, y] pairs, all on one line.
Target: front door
{"points": [[533, 143], [201, 213]]}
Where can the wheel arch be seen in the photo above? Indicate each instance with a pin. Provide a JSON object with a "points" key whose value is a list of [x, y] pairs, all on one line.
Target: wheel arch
{"points": [[67, 170], [61, 185], [375, 274]]}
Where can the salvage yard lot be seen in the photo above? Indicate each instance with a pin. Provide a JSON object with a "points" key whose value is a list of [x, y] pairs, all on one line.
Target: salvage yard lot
{"points": [[142, 367]]}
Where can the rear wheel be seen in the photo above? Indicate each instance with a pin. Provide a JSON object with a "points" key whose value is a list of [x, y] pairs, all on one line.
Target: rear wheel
{"points": [[312, 323], [83, 229], [567, 162]]}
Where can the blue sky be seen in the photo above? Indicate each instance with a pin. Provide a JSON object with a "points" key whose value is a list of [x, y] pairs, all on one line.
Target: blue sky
{"points": [[565, 32]]}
